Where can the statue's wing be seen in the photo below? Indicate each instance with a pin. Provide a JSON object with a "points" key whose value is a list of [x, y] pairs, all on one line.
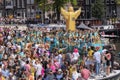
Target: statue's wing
{"points": [[64, 13], [77, 13]]}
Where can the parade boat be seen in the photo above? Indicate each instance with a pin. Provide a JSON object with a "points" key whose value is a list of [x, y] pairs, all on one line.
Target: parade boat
{"points": [[115, 75]]}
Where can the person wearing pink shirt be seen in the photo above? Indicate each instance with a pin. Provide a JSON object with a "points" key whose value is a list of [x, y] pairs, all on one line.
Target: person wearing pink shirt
{"points": [[85, 73], [27, 67]]}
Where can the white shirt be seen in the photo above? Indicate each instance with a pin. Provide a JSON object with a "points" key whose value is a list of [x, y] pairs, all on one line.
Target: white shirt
{"points": [[39, 69], [22, 63], [36, 46], [59, 58], [97, 57], [13, 56], [9, 37], [75, 56], [75, 75], [19, 47]]}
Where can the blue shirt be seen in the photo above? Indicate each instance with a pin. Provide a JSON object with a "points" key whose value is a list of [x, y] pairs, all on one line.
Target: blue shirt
{"points": [[5, 73]]}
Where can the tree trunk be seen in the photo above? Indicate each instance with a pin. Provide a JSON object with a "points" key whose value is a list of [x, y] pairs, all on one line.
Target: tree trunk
{"points": [[58, 14]]}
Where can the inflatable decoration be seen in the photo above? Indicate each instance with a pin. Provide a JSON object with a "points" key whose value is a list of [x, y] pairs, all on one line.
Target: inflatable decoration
{"points": [[70, 17]]}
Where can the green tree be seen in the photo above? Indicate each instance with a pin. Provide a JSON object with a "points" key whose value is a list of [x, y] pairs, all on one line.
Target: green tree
{"points": [[118, 2], [43, 5], [98, 9], [60, 3], [57, 4], [73, 2]]}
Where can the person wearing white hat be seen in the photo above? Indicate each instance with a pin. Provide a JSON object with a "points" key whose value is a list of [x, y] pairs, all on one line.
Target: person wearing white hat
{"points": [[59, 74], [103, 59]]}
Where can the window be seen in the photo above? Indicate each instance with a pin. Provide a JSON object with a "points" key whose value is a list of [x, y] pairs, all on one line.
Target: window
{"points": [[32, 1], [92, 1], [14, 2], [18, 14], [88, 14], [8, 3], [112, 1], [28, 1], [87, 2], [18, 3], [113, 7], [23, 3], [33, 7], [107, 1]]}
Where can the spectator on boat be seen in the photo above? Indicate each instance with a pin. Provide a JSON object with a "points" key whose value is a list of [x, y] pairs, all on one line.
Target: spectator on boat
{"points": [[85, 73], [97, 60], [108, 58]]}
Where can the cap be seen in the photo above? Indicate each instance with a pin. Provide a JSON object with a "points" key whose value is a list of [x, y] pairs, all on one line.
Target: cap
{"points": [[59, 70], [103, 51]]}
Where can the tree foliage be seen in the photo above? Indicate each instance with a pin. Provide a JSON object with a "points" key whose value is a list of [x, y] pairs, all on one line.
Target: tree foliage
{"points": [[98, 9], [55, 6], [73, 2], [118, 2], [60, 3], [43, 5]]}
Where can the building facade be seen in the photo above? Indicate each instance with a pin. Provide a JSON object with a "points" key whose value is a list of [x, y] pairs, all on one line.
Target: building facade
{"points": [[17, 8], [28, 9], [1, 8], [118, 11], [109, 6]]}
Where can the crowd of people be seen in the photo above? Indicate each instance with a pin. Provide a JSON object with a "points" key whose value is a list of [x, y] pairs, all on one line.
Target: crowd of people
{"points": [[38, 54], [12, 21]]}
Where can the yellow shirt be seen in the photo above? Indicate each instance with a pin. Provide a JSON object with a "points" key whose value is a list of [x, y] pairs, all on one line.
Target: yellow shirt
{"points": [[2, 78], [90, 54], [70, 71], [32, 71]]}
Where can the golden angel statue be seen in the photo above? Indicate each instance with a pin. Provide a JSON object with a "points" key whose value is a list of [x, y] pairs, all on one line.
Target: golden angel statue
{"points": [[70, 17]]}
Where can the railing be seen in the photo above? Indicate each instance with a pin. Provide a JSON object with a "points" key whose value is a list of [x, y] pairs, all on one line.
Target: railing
{"points": [[113, 76], [9, 7], [116, 77]]}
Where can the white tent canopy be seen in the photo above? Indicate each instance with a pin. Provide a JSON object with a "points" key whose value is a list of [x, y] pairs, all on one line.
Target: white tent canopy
{"points": [[56, 26], [83, 26]]}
